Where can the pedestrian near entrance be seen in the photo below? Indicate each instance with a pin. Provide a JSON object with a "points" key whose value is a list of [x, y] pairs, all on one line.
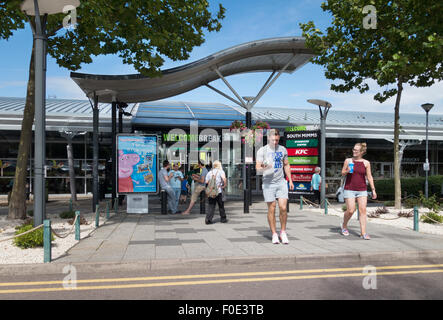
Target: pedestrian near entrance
{"points": [[357, 170], [272, 159], [220, 182], [315, 184], [184, 188], [176, 182], [199, 180], [165, 179]]}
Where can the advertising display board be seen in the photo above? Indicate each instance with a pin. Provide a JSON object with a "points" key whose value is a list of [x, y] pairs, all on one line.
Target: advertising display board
{"points": [[303, 155], [137, 164]]}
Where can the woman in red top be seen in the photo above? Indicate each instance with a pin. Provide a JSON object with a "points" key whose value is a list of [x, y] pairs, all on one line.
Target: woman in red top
{"points": [[357, 170]]}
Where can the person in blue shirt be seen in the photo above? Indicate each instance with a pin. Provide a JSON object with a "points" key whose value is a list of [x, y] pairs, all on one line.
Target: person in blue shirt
{"points": [[315, 184], [184, 190]]}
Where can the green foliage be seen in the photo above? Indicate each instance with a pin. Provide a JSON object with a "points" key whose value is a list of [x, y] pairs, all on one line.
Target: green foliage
{"points": [[138, 31], [412, 202], [412, 186], [432, 217], [67, 214], [407, 44], [30, 240], [431, 203], [406, 47]]}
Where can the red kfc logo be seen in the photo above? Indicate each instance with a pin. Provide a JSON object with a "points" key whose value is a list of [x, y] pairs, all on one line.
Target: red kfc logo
{"points": [[302, 152]]}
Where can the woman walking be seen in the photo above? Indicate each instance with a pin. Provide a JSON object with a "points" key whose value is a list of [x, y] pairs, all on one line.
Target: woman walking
{"points": [[357, 170], [220, 182]]}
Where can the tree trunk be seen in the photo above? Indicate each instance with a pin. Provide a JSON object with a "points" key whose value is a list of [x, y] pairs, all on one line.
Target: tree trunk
{"points": [[397, 181], [17, 204]]}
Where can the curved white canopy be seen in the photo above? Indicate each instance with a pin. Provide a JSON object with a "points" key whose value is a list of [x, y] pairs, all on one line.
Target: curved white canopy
{"points": [[288, 54], [48, 6]]}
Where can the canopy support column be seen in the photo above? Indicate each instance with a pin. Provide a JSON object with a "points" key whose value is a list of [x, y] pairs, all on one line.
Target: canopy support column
{"points": [[95, 151], [114, 149]]}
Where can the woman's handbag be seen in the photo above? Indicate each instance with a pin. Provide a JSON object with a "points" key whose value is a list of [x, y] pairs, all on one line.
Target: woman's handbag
{"points": [[340, 192]]}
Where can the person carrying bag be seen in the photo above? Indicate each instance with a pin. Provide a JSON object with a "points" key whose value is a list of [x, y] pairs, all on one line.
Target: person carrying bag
{"points": [[216, 182]]}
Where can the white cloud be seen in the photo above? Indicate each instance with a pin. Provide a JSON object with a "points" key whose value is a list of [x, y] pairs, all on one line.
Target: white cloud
{"points": [[7, 84], [411, 100], [63, 88]]}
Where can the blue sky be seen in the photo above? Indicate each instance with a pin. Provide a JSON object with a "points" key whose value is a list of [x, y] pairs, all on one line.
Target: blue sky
{"points": [[245, 21]]}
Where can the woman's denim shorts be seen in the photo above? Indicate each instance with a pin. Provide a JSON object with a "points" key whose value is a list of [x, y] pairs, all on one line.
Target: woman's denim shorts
{"points": [[349, 194]]}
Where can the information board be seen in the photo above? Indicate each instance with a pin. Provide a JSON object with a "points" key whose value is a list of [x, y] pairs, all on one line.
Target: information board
{"points": [[137, 164], [303, 156]]}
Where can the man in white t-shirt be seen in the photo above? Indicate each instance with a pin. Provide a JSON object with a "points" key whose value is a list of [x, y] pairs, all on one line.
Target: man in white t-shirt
{"points": [[272, 159]]}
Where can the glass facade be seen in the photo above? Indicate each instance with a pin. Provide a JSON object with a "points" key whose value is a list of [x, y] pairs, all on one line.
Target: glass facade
{"points": [[380, 153]]}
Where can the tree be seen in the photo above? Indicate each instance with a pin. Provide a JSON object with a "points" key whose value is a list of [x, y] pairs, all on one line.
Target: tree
{"points": [[398, 43], [138, 31]]}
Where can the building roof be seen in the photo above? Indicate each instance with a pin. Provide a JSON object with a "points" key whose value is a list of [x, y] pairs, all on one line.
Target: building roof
{"points": [[356, 124], [60, 113], [262, 55], [177, 113], [169, 114]]}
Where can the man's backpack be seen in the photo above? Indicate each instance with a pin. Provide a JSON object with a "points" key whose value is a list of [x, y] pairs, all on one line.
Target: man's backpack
{"points": [[211, 189]]}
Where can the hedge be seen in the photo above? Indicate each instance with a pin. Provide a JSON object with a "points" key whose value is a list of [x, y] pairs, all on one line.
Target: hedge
{"points": [[412, 186]]}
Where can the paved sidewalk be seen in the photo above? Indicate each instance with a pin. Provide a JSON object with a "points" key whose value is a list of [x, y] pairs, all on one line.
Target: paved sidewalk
{"points": [[161, 241]]}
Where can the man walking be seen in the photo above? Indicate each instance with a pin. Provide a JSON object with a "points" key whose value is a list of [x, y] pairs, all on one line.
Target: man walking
{"points": [[164, 179], [271, 160]]}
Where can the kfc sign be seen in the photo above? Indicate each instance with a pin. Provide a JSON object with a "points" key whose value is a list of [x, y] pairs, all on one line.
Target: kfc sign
{"points": [[302, 152]]}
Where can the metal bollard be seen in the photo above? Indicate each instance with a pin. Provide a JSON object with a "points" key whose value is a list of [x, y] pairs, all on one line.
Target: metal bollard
{"points": [[245, 201], [202, 202], [47, 247], [287, 205], [97, 216], [77, 225], [116, 205], [301, 202], [416, 218], [358, 213], [326, 207], [163, 201], [107, 210]]}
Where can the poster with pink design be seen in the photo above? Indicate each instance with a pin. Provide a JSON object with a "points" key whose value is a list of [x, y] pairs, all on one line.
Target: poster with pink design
{"points": [[137, 163]]}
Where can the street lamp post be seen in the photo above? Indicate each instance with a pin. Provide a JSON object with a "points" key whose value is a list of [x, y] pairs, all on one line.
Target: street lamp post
{"points": [[323, 114], [39, 8], [427, 107]]}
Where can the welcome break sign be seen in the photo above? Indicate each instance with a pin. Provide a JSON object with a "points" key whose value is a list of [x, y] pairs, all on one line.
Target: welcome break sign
{"points": [[303, 155]]}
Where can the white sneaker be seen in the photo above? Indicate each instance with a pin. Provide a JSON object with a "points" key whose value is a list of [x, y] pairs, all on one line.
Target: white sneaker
{"points": [[275, 239], [284, 237]]}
